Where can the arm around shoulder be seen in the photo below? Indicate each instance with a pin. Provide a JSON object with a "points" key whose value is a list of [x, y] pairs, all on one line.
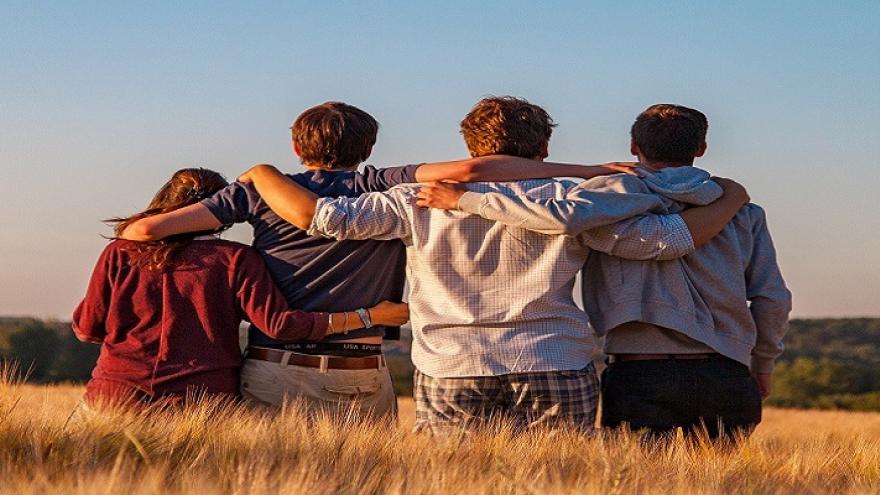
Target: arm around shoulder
{"points": [[192, 218], [265, 306], [705, 222], [377, 215], [589, 205], [644, 237], [289, 200], [510, 168]]}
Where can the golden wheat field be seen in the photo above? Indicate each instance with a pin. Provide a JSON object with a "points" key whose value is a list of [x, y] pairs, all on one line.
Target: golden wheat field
{"points": [[48, 447]]}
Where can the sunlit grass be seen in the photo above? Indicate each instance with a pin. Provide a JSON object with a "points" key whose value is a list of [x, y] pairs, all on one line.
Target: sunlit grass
{"points": [[48, 446]]}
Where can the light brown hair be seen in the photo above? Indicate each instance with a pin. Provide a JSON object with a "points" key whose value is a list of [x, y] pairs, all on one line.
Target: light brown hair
{"points": [[186, 187], [670, 133], [506, 125], [334, 135]]}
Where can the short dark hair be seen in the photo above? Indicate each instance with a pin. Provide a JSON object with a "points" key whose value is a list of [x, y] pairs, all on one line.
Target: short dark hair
{"points": [[334, 135], [506, 125], [669, 133]]}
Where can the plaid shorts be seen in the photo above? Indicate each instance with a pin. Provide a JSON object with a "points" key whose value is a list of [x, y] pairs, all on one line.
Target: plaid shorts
{"points": [[551, 398]]}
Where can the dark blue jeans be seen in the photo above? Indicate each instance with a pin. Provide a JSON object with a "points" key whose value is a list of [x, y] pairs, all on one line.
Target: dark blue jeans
{"points": [[715, 394]]}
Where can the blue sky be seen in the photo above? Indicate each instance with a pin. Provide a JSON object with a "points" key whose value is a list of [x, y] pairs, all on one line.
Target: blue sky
{"points": [[101, 101]]}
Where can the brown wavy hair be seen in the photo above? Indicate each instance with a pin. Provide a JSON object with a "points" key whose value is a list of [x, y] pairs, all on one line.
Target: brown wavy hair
{"points": [[506, 125], [334, 135], [186, 187]]}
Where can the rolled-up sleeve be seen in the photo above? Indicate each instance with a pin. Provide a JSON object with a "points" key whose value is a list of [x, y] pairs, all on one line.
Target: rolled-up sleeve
{"points": [[646, 237], [381, 216]]}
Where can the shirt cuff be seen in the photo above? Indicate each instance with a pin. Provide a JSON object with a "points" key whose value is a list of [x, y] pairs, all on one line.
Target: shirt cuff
{"points": [[762, 364], [322, 217], [680, 240], [470, 202]]}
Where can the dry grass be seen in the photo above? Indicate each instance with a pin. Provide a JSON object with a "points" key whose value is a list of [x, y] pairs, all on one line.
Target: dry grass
{"points": [[211, 449]]}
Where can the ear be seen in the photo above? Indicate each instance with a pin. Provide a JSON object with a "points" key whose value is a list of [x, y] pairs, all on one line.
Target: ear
{"points": [[634, 148], [295, 148], [545, 151], [701, 150]]}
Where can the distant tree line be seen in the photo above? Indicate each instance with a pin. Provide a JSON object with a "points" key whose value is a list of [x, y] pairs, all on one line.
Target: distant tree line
{"points": [[827, 364], [830, 364], [46, 351]]}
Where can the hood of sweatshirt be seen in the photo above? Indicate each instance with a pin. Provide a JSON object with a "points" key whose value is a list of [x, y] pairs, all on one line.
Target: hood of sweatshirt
{"points": [[687, 185]]}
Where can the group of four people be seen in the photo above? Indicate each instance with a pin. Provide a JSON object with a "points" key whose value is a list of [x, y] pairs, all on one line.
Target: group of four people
{"points": [[679, 276]]}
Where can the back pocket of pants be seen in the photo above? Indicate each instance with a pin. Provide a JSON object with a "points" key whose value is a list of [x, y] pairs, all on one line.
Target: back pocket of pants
{"points": [[352, 392]]}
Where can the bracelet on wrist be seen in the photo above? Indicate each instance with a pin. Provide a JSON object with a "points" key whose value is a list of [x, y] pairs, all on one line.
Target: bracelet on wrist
{"points": [[364, 315]]}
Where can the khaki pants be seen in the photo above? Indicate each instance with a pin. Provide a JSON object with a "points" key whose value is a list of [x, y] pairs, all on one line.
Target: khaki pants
{"points": [[369, 392]]}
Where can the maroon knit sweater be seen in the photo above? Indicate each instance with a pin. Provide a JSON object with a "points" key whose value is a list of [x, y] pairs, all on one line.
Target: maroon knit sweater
{"points": [[170, 332]]}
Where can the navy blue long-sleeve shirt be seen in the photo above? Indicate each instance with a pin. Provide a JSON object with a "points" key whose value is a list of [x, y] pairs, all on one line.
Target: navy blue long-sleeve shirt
{"points": [[316, 273]]}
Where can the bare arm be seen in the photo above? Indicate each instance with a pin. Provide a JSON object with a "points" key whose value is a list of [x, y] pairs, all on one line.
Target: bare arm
{"points": [[192, 218], [287, 199], [705, 222], [510, 168]]}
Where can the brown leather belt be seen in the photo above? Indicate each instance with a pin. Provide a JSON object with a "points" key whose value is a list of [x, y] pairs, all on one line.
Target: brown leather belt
{"points": [[651, 357], [310, 361]]}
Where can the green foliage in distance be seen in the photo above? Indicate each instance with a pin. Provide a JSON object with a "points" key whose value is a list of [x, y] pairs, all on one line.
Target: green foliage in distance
{"points": [[827, 364]]}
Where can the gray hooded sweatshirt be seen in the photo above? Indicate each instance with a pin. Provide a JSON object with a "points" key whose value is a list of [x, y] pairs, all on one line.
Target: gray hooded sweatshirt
{"points": [[728, 295]]}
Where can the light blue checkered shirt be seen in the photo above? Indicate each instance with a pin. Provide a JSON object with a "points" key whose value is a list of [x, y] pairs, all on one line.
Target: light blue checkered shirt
{"points": [[490, 299]]}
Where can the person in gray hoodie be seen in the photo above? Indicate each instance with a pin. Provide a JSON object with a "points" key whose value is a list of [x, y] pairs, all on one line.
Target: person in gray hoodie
{"points": [[691, 341]]}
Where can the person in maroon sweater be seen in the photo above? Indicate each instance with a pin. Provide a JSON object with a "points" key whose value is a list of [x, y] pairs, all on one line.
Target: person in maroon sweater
{"points": [[167, 313]]}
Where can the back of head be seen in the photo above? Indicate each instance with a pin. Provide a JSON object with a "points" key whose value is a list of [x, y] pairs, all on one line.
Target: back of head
{"points": [[670, 133], [334, 135], [186, 187], [506, 125]]}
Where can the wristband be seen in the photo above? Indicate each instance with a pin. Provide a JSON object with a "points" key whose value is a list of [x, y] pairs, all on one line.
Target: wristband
{"points": [[364, 315]]}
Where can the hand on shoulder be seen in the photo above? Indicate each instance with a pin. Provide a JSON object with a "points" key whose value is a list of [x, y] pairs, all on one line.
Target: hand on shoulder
{"points": [[441, 195], [256, 171]]}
